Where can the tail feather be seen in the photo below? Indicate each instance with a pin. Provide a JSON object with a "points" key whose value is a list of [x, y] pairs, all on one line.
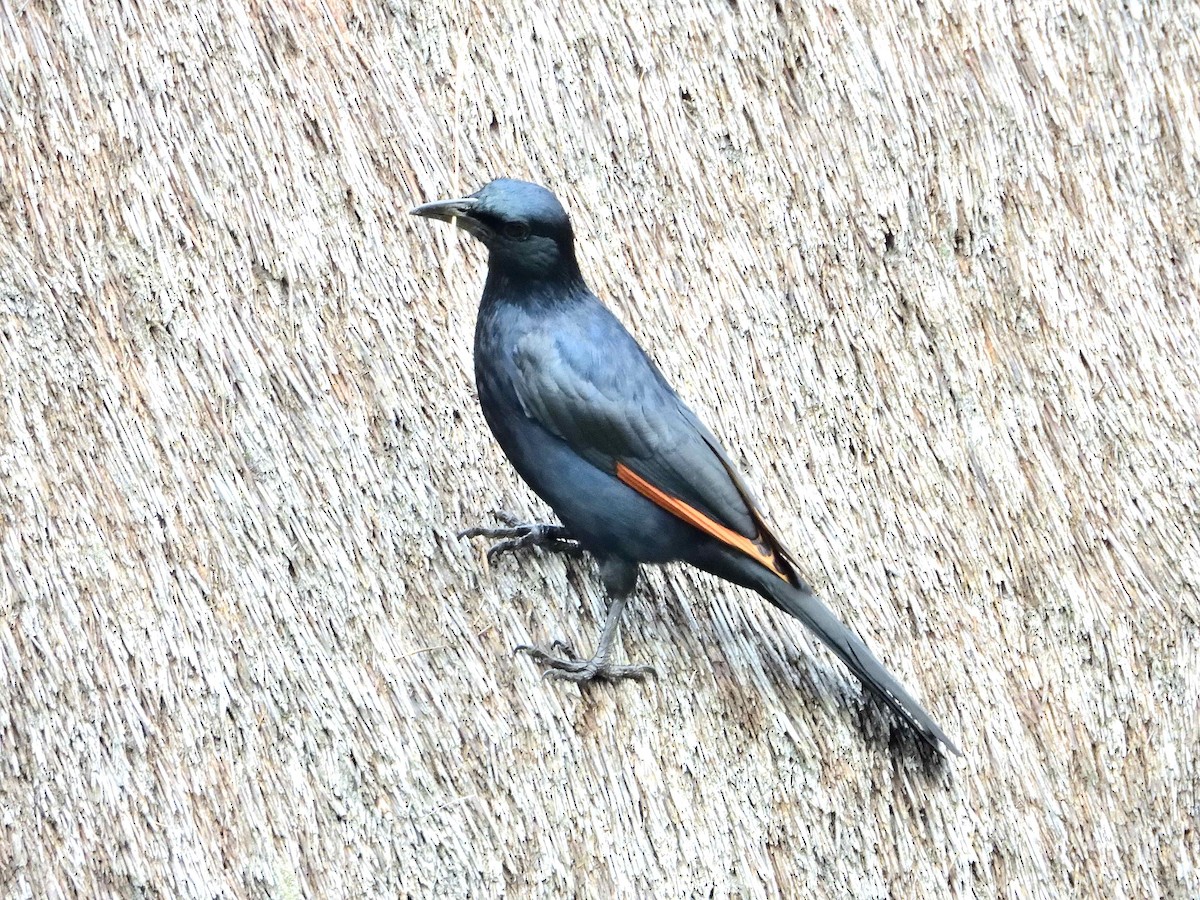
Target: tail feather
{"points": [[800, 602]]}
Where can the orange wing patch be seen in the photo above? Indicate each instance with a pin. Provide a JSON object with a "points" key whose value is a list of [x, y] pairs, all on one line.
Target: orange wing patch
{"points": [[756, 550]]}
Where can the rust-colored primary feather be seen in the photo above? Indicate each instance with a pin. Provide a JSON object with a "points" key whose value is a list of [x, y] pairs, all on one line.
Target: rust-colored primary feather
{"points": [[759, 549]]}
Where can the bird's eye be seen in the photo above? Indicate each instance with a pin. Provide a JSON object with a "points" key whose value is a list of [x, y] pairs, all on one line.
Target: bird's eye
{"points": [[516, 231]]}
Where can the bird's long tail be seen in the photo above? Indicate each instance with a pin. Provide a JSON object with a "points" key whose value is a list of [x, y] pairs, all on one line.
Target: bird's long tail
{"points": [[800, 602]]}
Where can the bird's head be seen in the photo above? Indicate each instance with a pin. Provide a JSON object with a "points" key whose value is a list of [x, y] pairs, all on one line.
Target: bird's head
{"points": [[524, 227]]}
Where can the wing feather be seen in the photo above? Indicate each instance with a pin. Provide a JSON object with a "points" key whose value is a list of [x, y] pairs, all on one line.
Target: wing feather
{"points": [[610, 403]]}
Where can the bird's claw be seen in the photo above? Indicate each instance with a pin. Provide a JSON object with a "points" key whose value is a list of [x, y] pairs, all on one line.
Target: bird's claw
{"points": [[565, 647], [515, 535], [569, 667]]}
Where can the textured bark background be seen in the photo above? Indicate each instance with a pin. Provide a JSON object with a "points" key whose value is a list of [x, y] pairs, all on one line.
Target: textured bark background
{"points": [[932, 273]]}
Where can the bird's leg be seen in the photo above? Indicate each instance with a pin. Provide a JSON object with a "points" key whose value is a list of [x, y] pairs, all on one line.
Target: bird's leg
{"points": [[517, 534], [620, 578]]}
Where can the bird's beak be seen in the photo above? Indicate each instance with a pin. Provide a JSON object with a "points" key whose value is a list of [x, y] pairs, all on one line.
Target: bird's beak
{"points": [[446, 210]]}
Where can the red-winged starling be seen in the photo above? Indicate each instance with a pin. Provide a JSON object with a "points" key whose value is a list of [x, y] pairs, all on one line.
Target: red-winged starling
{"points": [[587, 419]]}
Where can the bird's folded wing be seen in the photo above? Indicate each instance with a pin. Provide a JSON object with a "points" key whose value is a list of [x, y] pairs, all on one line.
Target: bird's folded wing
{"points": [[612, 406]]}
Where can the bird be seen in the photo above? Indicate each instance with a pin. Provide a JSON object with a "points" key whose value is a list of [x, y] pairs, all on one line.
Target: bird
{"points": [[590, 423]]}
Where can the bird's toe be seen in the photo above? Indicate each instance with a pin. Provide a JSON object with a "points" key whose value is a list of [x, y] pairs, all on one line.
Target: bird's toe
{"points": [[515, 535], [569, 667]]}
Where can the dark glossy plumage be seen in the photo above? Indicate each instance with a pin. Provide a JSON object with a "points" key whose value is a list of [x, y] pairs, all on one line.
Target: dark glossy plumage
{"points": [[591, 424]]}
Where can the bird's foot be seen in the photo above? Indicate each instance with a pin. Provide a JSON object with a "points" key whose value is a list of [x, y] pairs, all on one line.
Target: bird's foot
{"points": [[570, 667], [517, 534]]}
